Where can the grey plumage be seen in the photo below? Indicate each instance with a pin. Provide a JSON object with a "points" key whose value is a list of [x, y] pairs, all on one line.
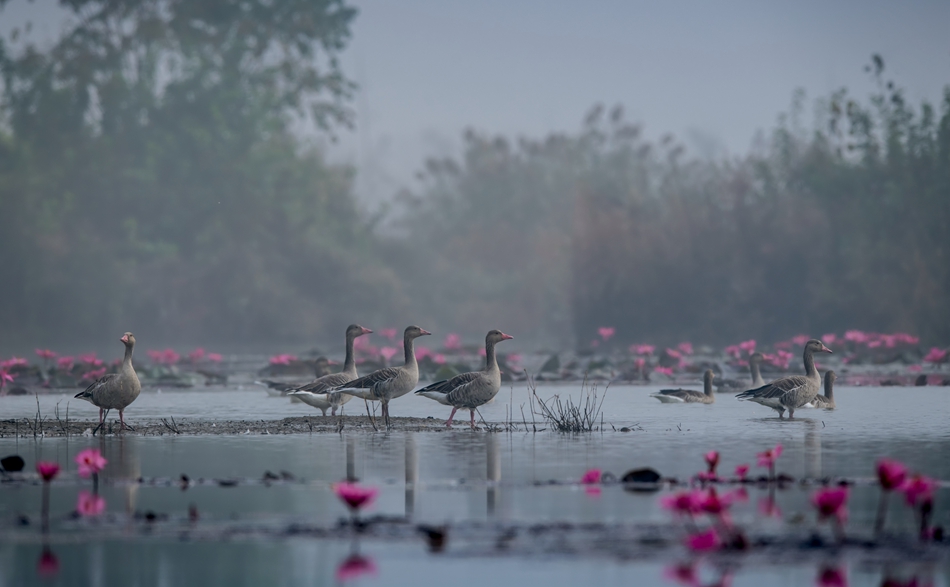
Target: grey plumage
{"points": [[387, 384], [115, 391], [473, 389], [678, 396], [827, 401], [317, 393], [734, 385], [793, 392]]}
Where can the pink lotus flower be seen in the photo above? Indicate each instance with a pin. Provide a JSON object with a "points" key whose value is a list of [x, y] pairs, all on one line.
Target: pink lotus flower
{"points": [[438, 359], [714, 504], [154, 355], [831, 502], [674, 353], [45, 354], [284, 359], [196, 355], [48, 565], [388, 352], [642, 349], [742, 471], [90, 462], [423, 352], [452, 341], [606, 332], [389, 333], [915, 368], [918, 490], [873, 344], [668, 371], [354, 567], [739, 495], [354, 496], [640, 363], [90, 504], [703, 541], [685, 347], [768, 458], [170, 357], [748, 346], [94, 374], [47, 470], [65, 363], [891, 474], [856, 336], [90, 359], [831, 577], [800, 339], [712, 460], [5, 377], [14, 362], [591, 477], [214, 357], [829, 338], [684, 503], [936, 356]]}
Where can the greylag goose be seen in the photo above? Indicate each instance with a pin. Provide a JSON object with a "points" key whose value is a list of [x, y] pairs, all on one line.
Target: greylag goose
{"points": [[826, 401], [315, 393], [115, 391], [387, 384], [792, 392], [733, 385], [279, 387], [679, 396], [470, 390]]}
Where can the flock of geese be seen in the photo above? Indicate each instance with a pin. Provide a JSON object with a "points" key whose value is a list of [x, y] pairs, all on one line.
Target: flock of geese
{"points": [[116, 391], [787, 393]]}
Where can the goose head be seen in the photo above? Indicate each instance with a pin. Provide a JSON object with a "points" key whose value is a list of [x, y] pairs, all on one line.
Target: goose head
{"points": [[496, 336], [816, 346], [355, 330], [128, 339], [415, 332]]}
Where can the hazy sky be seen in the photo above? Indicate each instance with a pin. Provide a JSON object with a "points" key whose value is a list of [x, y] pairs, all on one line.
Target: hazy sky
{"points": [[712, 73]]}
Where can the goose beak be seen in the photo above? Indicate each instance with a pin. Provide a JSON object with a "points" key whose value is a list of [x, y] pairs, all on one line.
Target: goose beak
{"points": [[367, 330], [424, 331], [124, 338], [506, 336], [825, 349]]}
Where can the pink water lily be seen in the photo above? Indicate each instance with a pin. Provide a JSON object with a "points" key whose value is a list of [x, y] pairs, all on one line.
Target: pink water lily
{"points": [[642, 349], [423, 352], [918, 490], [13, 362], [768, 458], [891, 474], [48, 564], [703, 541], [355, 497], [748, 346], [668, 371], [196, 355], [65, 363], [831, 502], [591, 477], [47, 470], [936, 355], [606, 332], [831, 577], [685, 347], [712, 460], [388, 352], [389, 333], [5, 377], [90, 504], [90, 359], [742, 471], [284, 359], [452, 341], [830, 338], [90, 462], [45, 354], [438, 359], [214, 357], [94, 374]]}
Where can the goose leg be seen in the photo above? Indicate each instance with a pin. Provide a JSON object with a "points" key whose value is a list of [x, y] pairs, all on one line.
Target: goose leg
{"points": [[472, 412], [122, 424], [386, 415], [448, 424]]}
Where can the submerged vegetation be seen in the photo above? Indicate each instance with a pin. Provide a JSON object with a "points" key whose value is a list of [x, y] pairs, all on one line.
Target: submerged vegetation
{"points": [[152, 177]]}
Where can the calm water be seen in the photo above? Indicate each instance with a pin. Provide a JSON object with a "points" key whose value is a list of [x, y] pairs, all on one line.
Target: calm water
{"points": [[457, 476]]}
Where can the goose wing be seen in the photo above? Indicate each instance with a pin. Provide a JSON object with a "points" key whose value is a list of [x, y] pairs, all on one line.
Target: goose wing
{"points": [[777, 389], [324, 384], [449, 385], [102, 383], [371, 380]]}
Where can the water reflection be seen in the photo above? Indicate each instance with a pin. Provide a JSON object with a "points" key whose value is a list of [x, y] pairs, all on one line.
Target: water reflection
{"points": [[412, 474], [831, 576], [47, 566], [812, 448], [124, 468], [492, 472], [355, 566]]}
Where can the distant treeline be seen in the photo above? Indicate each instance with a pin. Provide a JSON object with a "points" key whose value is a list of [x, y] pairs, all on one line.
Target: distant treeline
{"points": [[150, 180], [818, 230]]}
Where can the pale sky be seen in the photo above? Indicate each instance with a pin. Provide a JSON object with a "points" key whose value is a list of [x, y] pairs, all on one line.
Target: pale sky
{"points": [[711, 73]]}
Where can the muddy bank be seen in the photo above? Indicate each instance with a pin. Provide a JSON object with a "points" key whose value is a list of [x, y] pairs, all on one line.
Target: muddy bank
{"points": [[50, 427]]}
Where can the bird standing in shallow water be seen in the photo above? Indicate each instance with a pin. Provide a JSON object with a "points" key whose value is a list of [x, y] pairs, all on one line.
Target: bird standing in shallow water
{"points": [[470, 390], [115, 391], [688, 396], [315, 394], [793, 392]]}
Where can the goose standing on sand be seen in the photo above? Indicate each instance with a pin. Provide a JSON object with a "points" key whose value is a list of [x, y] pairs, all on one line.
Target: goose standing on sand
{"points": [[792, 392], [314, 393], [734, 385], [115, 391], [826, 401], [387, 384], [689, 396], [470, 390]]}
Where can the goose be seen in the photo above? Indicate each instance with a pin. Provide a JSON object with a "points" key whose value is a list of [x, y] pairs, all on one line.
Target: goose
{"points": [[679, 396], [792, 392], [826, 401], [280, 388], [473, 389], [314, 393], [387, 384], [733, 385], [115, 391]]}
